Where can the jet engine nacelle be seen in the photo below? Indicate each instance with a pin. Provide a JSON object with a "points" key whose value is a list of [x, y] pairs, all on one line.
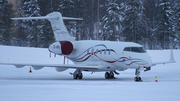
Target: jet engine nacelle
{"points": [[60, 69], [61, 48]]}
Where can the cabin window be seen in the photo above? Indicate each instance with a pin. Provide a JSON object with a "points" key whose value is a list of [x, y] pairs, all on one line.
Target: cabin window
{"points": [[96, 51], [92, 51], [109, 52], [135, 49], [88, 51], [101, 51], [127, 49], [142, 50], [105, 51]]}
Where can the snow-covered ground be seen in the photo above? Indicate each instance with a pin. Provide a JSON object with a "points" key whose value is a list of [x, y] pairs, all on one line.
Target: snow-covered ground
{"points": [[48, 85]]}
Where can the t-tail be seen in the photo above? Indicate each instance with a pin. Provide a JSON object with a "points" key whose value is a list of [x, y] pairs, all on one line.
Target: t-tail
{"points": [[60, 31]]}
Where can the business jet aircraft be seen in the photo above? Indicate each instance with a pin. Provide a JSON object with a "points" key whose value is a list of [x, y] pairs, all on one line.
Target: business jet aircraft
{"points": [[92, 55]]}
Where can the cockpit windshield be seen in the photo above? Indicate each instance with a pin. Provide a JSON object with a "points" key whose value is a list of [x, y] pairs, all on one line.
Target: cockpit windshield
{"points": [[135, 49]]}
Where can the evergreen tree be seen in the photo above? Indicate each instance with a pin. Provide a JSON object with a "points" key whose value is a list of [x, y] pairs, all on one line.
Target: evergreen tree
{"points": [[31, 28], [6, 13], [46, 7], [151, 13], [164, 23], [66, 7], [47, 36], [176, 23], [87, 20], [112, 21], [79, 13], [134, 22]]}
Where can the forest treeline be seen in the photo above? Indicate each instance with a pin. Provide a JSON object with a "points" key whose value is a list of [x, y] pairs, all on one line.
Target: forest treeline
{"points": [[155, 24]]}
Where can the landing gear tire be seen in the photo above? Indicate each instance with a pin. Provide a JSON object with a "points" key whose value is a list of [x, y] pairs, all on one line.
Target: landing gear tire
{"points": [[111, 75], [75, 76], [107, 75], [80, 76], [137, 79]]}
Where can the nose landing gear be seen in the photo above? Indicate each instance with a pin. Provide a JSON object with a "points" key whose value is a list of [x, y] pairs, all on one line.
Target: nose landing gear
{"points": [[137, 79], [137, 73]]}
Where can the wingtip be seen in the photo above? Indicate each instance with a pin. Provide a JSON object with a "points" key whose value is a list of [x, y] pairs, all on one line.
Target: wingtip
{"points": [[172, 56]]}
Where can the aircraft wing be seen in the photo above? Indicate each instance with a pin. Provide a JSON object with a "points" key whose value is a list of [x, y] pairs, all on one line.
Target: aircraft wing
{"points": [[39, 66], [170, 61]]}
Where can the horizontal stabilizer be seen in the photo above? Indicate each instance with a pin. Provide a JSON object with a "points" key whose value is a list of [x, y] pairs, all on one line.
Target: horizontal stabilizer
{"points": [[45, 17], [34, 18], [69, 18]]}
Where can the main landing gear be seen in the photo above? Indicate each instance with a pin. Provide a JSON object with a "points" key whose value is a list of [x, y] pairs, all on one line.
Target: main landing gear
{"points": [[137, 73], [110, 75], [78, 74]]}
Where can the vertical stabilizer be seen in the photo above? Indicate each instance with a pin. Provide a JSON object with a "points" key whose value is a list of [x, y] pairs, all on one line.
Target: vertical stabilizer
{"points": [[60, 31]]}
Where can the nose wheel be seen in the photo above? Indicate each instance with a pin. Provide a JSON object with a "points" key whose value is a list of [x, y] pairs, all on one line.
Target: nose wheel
{"points": [[137, 79]]}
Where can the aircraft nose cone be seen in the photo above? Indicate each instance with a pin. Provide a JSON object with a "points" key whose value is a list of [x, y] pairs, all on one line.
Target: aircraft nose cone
{"points": [[149, 60]]}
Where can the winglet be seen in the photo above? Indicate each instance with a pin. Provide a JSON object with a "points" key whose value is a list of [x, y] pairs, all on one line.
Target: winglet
{"points": [[170, 61], [171, 57]]}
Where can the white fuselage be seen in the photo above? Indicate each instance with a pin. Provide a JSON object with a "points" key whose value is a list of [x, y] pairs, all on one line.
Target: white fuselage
{"points": [[108, 55]]}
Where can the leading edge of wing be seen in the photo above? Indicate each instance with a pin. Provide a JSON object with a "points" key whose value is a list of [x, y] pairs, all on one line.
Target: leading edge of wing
{"points": [[76, 66]]}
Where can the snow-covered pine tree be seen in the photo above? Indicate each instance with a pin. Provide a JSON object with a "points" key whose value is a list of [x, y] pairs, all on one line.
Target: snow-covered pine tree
{"points": [[6, 13], [47, 36], [176, 23], [87, 24], [66, 7], [31, 28], [79, 12], [164, 23], [112, 21], [151, 12], [134, 22]]}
